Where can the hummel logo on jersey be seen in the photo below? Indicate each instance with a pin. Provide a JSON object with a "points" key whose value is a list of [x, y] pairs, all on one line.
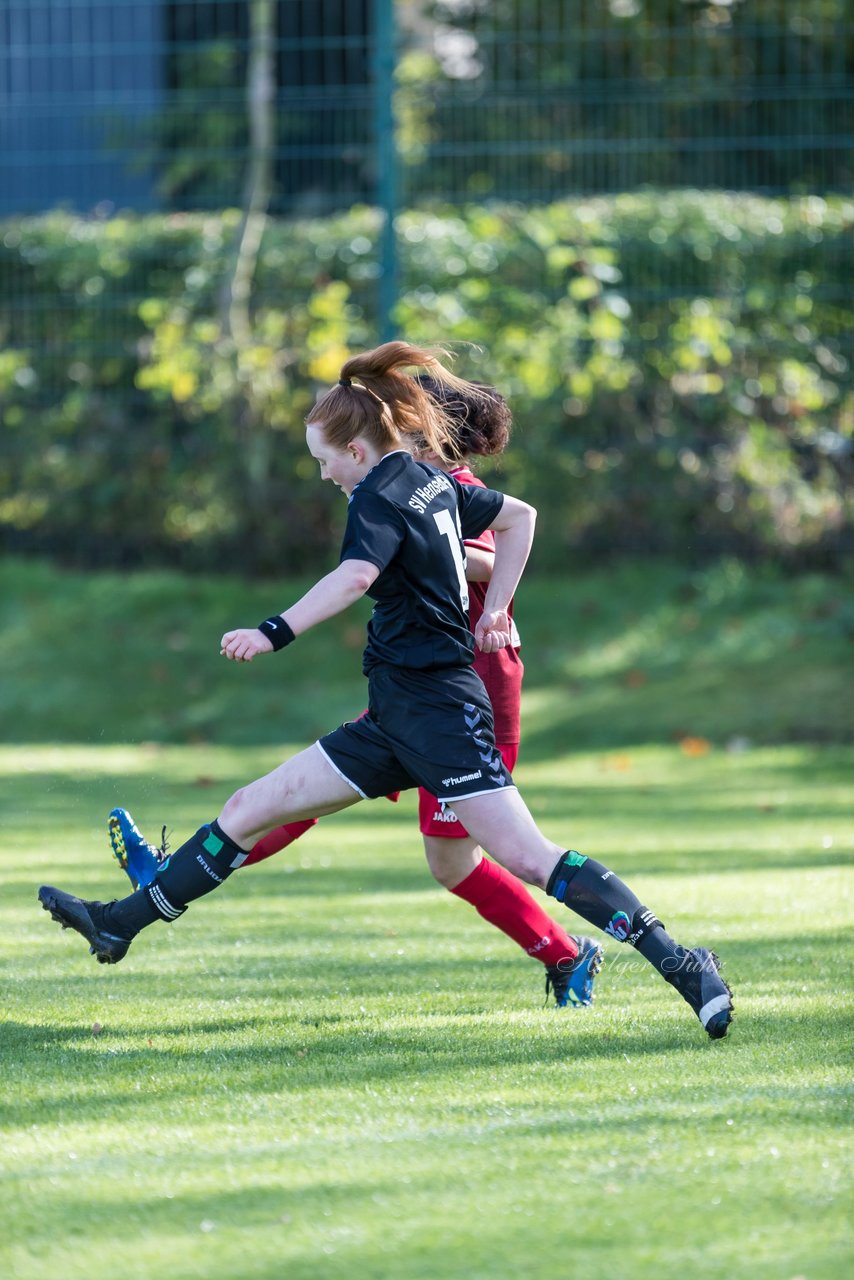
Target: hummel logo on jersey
{"points": [[425, 493], [466, 777]]}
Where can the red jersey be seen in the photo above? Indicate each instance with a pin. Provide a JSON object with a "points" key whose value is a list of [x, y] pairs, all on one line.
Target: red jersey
{"points": [[502, 671]]}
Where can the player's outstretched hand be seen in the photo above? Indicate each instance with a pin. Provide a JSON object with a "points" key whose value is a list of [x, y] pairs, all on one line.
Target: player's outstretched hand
{"points": [[245, 644], [492, 631]]}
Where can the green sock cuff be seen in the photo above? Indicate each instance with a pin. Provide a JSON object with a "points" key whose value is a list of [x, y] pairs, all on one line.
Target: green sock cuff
{"points": [[212, 843], [559, 879]]}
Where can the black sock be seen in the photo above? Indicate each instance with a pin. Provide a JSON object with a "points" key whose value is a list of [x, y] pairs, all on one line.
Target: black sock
{"points": [[198, 867], [128, 915], [599, 896]]}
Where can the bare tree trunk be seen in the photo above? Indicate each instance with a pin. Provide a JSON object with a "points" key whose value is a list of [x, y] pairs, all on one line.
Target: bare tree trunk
{"points": [[258, 186], [255, 453]]}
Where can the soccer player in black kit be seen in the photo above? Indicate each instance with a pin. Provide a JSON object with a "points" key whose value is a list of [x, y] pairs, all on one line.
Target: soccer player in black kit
{"points": [[429, 721]]}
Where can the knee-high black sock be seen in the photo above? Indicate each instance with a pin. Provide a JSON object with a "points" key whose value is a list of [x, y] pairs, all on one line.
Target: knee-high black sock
{"points": [[198, 867], [600, 896]]}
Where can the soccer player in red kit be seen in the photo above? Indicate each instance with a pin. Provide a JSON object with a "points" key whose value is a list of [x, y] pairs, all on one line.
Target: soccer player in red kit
{"points": [[455, 859]]}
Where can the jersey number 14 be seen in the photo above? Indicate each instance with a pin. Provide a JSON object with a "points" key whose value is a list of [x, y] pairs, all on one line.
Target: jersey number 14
{"points": [[449, 527]]}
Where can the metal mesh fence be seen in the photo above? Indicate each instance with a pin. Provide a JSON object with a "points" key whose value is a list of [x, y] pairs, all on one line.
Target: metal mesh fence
{"points": [[545, 99], [323, 112], [143, 103]]}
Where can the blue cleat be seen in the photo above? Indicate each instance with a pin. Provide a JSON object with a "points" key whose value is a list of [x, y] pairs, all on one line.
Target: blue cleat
{"points": [[132, 851], [573, 985]]}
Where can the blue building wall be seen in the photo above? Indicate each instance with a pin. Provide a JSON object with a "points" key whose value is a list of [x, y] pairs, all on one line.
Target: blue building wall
{"points": [[77, 79]]}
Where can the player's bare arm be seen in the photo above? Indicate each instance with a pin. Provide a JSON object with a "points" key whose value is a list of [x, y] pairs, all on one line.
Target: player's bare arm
{"points": [[514, 535], [479, 563], [328, 597]]}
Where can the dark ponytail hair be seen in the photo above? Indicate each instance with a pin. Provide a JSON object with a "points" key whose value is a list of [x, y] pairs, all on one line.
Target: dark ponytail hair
{"points": [[481, 422], [376, 401]]}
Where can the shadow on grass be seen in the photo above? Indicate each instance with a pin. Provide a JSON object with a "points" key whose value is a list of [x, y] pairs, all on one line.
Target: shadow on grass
{"points": [[344, 1057], [349, 1057], [279, 1046]]}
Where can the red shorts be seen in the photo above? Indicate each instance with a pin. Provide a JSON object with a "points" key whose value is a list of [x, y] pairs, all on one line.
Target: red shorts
{"points": [[433, 821]]}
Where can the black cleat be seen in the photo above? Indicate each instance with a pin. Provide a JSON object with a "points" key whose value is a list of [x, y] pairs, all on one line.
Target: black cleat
{"points": [[699, 982], [77, 913]]}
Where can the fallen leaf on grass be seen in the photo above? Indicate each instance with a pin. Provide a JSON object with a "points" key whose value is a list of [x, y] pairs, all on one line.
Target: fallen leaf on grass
{"points": [[695, 746], [619, 763]]}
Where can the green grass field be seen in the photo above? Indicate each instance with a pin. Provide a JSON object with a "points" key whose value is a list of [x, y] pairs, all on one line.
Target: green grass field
{"points": [[332, 1068]]}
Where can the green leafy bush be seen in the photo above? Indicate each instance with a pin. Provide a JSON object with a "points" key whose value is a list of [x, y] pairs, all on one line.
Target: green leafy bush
{"points": [[678, 364]]}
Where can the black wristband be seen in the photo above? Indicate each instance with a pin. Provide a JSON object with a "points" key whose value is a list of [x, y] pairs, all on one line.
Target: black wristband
{"points": [[277, 631]]}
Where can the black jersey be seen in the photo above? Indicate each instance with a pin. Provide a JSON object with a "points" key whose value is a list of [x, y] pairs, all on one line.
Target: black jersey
{"points": [[409, 519]]}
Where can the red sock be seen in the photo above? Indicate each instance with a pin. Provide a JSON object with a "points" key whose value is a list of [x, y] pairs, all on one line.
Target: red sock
{"points": [[278, 839], [505, 902]]}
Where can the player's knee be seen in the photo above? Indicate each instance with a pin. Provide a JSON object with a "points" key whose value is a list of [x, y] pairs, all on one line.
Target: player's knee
{"points": [[233, 810], [450, 866], [437, 869]]}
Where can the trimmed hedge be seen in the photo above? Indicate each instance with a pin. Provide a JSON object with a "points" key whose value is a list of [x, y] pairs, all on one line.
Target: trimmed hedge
{"points": [[679, 365]]}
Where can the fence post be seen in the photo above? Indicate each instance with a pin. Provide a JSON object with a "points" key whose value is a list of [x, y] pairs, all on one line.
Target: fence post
{"points": [[385, 156]]}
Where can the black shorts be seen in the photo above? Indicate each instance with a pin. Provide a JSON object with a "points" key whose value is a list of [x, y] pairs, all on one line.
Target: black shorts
{"points": [[428, 729]]}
